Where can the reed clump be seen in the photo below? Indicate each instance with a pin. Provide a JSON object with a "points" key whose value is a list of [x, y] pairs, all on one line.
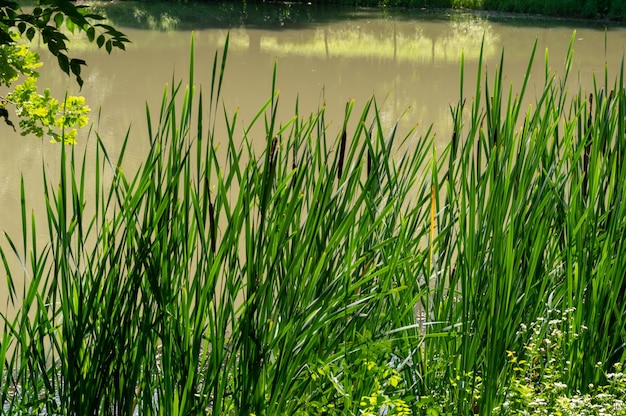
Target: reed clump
{"points": [[330, 273]]}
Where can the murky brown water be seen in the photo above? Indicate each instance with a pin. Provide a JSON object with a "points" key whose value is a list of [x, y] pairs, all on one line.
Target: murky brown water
{"points": [[409, 62]]}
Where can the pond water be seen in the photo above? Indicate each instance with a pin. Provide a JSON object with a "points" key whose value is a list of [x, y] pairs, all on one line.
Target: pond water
{"points": [[408, 60]]}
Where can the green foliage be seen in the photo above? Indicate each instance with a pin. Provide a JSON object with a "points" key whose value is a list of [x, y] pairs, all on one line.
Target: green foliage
{"points": [[46, 21], [16, 60], [538, 376], [41, 114], [590, 9], [348, 272], [529, 220], [370, 371]]}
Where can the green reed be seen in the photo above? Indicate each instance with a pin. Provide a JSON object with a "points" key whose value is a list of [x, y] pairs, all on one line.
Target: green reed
{"points": [[222, 280], [530, 221], [215, 283]]}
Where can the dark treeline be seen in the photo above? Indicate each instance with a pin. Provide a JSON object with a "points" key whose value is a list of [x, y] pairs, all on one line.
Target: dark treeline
{"points": [[588, 9]]}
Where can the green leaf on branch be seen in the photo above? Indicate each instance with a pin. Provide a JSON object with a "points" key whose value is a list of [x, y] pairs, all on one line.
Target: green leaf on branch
{"points": [[64, 63], [119, 45], [70, 26], [58, 20], [75, 65], [91, 33], [30, 33]]}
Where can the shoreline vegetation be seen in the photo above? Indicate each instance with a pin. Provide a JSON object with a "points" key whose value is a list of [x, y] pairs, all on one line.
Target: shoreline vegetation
{"points": [[601, 11], [292, 280]]}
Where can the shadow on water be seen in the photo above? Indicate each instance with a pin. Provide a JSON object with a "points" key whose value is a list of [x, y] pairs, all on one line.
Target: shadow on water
{"points": [[187, 16]]}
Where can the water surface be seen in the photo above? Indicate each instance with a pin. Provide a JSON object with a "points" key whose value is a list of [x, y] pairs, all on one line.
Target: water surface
{"points": [[408, 60]]}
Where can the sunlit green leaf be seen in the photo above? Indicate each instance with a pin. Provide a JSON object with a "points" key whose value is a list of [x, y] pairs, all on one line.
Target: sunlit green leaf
{"points": [[70, 25]]}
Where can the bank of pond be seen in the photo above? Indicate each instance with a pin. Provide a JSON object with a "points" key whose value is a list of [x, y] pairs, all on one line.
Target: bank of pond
{"points": [[265, 13], [299, 266]]}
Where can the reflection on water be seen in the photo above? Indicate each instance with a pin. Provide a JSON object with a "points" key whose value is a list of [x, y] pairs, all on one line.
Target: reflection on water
{"points": [[407, 42], [410, 62]]}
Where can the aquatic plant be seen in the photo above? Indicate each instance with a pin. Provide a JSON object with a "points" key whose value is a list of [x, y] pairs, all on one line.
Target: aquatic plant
{"points": [[291, 269], [529, 220], [208, 283]]}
